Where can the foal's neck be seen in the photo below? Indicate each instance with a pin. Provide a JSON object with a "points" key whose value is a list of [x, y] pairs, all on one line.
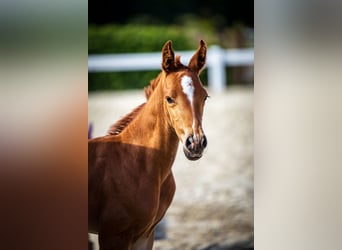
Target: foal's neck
{"points": [[151, 126], [151, 129]]}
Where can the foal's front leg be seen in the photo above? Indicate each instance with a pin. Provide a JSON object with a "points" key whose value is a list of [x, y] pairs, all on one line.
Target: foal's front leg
{"points": [[116, 242], [144, 243]]}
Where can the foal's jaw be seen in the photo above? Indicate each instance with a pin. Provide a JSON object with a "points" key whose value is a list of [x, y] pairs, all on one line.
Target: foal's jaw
{"points": [[192, 137]]}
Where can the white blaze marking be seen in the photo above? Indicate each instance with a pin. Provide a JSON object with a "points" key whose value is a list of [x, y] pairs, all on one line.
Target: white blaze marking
{"points": [[188, 87]]}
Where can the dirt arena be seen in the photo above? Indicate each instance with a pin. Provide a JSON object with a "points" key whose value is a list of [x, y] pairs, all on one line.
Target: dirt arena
{"points": [[213, 205]]}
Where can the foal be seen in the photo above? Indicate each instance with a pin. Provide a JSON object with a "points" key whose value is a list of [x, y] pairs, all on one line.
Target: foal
{"points": [[131, 184]]}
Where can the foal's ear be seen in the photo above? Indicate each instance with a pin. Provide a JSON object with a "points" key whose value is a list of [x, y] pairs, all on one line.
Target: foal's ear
{"points": [[197, 61], [168, 57]]}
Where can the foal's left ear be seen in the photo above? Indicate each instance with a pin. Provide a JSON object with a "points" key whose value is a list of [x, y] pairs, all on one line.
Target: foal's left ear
{"points": [[168, 57], [197, 61]]}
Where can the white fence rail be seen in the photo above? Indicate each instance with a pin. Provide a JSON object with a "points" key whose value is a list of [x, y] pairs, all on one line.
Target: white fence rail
{"points": [[217, 60]]}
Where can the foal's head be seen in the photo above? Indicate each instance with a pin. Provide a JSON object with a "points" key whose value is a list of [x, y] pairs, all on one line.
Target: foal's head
{"points": [[184, 98]]}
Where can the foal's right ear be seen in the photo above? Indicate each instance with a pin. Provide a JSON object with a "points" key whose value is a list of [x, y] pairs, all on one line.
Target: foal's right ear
{"points": [[168, 57], [197, 61]]}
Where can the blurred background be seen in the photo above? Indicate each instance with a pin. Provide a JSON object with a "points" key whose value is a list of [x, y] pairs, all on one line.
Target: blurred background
{"points": [[145, 27], [213, 204]]}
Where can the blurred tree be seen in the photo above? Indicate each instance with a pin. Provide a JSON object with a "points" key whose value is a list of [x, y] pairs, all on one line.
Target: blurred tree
{"points": [[156, 11]]}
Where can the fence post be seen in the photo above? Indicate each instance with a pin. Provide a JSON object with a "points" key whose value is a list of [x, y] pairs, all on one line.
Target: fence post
{"points": [[216, 69]]}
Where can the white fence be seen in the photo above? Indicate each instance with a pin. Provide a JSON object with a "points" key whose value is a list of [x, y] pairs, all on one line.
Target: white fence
{"points": [[217, 60]]}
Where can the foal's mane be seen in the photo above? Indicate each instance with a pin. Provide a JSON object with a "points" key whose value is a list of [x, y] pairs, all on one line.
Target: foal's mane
{"points": [[117, 127], [121, 124]]}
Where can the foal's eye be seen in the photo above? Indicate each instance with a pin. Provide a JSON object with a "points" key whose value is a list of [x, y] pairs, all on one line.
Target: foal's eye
{"points": [[206, 98], [169, 100]]}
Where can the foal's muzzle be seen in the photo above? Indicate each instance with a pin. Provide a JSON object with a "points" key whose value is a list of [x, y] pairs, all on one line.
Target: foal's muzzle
{"points": [[194, 146]]}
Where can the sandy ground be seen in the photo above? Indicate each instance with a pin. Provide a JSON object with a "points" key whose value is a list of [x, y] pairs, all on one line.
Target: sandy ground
{"points": [[213, 204]]}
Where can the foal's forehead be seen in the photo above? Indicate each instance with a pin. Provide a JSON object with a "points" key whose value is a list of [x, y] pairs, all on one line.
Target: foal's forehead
{"points": [[187, 81]]}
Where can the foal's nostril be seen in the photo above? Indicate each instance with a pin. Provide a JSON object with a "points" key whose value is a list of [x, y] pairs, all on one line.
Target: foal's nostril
{"points": [[188, 142], [204, 141]]}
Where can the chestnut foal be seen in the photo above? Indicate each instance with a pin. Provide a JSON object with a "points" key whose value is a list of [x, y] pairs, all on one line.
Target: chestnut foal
{"points": [[131, 184]]}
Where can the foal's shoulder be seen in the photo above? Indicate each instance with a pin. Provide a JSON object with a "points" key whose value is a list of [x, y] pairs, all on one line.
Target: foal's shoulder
{"points": [[103, 139]]}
